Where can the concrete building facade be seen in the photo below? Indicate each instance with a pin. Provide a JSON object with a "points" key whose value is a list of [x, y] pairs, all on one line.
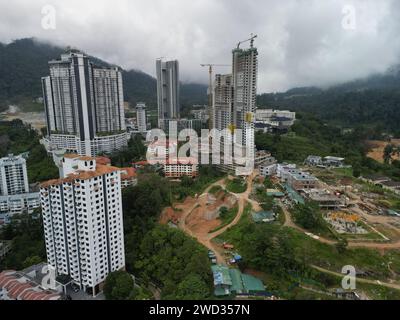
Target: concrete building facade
{"points": [[167, 90], [84, 106], [83, 224]]}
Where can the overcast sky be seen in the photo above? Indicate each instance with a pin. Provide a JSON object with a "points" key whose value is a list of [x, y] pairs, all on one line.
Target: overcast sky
{"points": [[300, 42]]}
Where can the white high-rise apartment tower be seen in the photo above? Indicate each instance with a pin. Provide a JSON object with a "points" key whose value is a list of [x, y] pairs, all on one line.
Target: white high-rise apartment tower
{"points": [[244, 74], [84, 106], [167, 90], [83, 223], [234, 102], [223, 102], [13, 175], [141, 117]]}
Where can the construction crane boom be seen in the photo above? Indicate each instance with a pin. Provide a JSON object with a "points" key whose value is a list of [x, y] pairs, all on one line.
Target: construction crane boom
{"points": [[251, 39], [210, 71]]}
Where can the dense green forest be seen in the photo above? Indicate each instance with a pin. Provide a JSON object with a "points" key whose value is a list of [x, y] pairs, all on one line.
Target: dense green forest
{"points": [[377, 107], [16, 138], [23, 62], [27, 243]]}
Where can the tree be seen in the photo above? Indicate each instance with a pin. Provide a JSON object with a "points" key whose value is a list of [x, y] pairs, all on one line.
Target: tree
{"points": [[387, 153], [223, 211], [309, 216], [167, 257], [341, 245], [118, 286], [192, 287], [30, 261], [268, 183]]}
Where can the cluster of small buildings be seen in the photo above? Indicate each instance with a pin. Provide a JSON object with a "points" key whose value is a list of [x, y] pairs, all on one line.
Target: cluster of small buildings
{"points": [[15, 194], [300, 185], [384, 182], [231, 281], [164, 154]]}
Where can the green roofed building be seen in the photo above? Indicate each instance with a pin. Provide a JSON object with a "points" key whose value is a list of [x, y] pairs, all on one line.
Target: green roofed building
{"points": [[222, 280], [275, 193], [252, 284], [237, 285], [293, 195], [231, 281]]}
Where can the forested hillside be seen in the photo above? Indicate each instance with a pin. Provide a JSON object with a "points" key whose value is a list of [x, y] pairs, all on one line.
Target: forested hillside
{"points": [[23, 62], [374, 102]]}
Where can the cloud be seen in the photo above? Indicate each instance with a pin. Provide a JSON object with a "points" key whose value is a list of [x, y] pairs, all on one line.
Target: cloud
{"points": [[300, 42]]}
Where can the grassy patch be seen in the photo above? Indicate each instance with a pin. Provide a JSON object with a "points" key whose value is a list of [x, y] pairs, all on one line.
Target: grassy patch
{"points": [[226, 217], [215, 189], [236, 185]]}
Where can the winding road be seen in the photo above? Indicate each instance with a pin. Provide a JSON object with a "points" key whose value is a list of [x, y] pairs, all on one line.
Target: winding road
{"points": [[206, 238]]}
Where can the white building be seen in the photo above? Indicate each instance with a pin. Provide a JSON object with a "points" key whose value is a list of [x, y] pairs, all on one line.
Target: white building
{"points": [[179, 167], [234, 105], [141, 119], [15, 197], [167, 90], [13, 175], [269, 120], [283, 168], [268, 167], [84, 106], [244, 78], [83, 224], [223, 102], [268, 115]]}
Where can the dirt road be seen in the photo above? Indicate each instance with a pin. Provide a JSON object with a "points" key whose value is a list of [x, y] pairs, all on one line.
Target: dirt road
{"points": [[206, 238], [375, 282]]}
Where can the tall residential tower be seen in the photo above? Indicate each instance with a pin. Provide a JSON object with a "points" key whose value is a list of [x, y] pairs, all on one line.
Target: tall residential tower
{"points": [[84, 106], [167, 90], [244, 74], [83, 224], [234, 104]]}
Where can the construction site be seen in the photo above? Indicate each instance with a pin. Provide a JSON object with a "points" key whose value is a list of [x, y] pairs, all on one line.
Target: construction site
{"points": [[367, 212]]}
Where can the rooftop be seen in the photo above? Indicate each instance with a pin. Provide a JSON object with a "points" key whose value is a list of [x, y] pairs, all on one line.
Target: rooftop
{"points": [[20, 287], [81, 175], [300, 175]]}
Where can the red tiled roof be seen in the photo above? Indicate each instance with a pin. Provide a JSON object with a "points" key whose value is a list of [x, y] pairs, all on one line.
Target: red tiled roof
{"points": [[21, 288], [81, 175], [141, 163], [130, 173], [103, 160]]}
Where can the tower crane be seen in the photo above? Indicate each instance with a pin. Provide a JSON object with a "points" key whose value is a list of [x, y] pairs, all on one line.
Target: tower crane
{"points": [[210, 100], [251, 39]]}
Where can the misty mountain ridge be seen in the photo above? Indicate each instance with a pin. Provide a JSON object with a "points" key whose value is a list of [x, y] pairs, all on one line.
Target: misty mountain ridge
{"points": [[374, 100], [23, 62]]}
